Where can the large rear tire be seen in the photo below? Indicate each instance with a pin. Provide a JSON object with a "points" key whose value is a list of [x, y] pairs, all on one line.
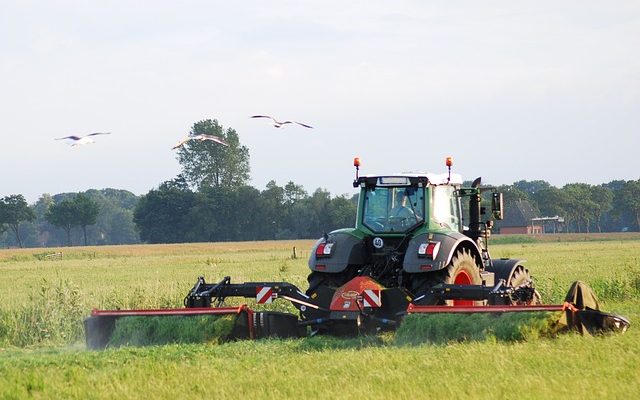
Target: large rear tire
{"points": [[462, 270]]}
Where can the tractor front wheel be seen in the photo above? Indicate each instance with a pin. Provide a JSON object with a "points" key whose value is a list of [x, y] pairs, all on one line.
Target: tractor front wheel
{"points": [[333, 280], [525, 294]]}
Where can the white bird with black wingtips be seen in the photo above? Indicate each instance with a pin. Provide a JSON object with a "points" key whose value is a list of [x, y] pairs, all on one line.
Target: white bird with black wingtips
{"points": [[201, 138], [279, 124], [80, 140]]}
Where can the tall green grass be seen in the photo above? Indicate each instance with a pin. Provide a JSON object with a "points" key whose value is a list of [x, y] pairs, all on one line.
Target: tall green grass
{"points": [[55, 365], [45, 302], [52, 314], [450, 328], [146, 331]]}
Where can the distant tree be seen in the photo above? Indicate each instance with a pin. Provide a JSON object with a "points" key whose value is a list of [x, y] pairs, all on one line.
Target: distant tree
{"points": [[271, 203], [210, 164], [342, 213], [302, 221], [42, 226], [602, 198], [63, 215], [512, 194], [531, 187], [294, 192], [160, 215], [627, 199], [319, 204], [86, 212], [580, 205], [13, 211], [114, 223], [551, 202]]}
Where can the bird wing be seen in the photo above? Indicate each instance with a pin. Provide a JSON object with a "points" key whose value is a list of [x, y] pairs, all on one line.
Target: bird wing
{"points": [[261, 116], [69, 137], [99, 133], [305, 125], [215, 139], [180, 143]]}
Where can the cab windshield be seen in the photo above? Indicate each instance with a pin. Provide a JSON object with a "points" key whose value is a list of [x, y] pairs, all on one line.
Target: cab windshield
{"points": [[393, 209]]}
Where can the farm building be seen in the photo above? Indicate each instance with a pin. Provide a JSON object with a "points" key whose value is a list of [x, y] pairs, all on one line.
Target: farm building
{"points": [[520, 217]]}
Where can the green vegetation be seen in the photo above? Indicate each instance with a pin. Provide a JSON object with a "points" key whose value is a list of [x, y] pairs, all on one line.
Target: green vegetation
{"points": [[145, 331], [448, 328], [43, 302]]}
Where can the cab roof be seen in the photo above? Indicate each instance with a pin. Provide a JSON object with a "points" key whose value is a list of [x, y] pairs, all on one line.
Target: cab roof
{"points": [[409, 178]]}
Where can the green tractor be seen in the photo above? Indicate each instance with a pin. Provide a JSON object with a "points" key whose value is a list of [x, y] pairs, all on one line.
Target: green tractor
{"points": [[412, 232]]}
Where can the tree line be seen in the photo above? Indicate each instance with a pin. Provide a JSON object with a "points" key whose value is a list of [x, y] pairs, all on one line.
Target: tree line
{"points": [[210, 200], [609, 207]]}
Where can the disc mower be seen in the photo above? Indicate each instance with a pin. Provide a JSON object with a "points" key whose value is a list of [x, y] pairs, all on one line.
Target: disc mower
{"points": [[419, 246]]}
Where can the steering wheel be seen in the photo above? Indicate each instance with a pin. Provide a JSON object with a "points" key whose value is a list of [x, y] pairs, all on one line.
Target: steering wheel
{"points": [[398, 220]]}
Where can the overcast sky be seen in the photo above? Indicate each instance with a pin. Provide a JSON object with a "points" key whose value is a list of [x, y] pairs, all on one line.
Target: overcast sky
{"points": [[512, 90]]}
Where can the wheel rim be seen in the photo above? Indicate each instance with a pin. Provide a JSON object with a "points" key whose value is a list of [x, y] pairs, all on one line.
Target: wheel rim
{"points": [[462, 278]]}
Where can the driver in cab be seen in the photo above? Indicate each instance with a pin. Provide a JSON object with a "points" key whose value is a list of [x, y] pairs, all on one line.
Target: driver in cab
{"points": [[401, 212]]}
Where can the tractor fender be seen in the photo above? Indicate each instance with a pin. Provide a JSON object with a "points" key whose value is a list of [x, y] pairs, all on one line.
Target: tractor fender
{"points": [[450, 243], [503, 268], [347, 249]]}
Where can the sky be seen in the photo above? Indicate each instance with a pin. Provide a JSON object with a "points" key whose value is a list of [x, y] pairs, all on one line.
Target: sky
{"points": [[526, 90]]}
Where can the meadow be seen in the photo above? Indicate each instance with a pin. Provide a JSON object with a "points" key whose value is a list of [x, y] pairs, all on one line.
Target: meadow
{"points": [[44, 299]]}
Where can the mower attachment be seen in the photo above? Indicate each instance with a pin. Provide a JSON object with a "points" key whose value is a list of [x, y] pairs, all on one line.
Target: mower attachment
{"points": [[362, 305], [247, 324], [580, 311]]}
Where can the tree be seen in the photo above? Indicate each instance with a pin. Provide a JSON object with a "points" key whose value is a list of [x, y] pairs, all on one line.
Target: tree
{"points": [[209, 164], [627, 199], [14, 210], [86, 212], [580, 206], [160, 215], [602, 198], [294, 192], [342, 212], [512, 194], [319, 205], [531, 187], [43, 227], [63, 215], [271, 204], [551, 202], [114, 223]]}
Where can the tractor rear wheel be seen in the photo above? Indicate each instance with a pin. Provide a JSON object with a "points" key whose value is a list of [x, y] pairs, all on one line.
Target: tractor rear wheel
{"points": [[462, 270]]}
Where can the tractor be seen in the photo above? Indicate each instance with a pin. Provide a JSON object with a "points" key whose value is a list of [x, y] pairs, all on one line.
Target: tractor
{"points": [[412, 233], [419, 246]]}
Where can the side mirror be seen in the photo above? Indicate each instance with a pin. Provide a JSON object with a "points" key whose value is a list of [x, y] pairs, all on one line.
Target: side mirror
{"points": [[497, 205]]}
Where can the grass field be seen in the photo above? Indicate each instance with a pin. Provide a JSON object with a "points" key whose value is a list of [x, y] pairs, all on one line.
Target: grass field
{"points": [[43, 301]]}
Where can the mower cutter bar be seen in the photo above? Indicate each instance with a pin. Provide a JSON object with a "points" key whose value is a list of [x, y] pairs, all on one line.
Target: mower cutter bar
{"points": [[416, 309], [169, 311]]}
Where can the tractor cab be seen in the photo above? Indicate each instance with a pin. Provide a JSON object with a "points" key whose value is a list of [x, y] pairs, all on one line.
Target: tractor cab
{"points": [[408, 202]]}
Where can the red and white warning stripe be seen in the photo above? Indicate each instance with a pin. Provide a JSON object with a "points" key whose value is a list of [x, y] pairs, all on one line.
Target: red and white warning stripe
{"points": [[264, 295], [371, 298]]}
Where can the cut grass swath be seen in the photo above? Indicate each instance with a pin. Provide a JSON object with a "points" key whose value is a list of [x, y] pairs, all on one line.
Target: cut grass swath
{"points": [[507, 327], [146, 331]]}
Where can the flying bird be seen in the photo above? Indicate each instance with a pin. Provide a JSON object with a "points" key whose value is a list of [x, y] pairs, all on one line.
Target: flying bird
{"points": [[278, 124], [201, 138], [80, 140]]}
